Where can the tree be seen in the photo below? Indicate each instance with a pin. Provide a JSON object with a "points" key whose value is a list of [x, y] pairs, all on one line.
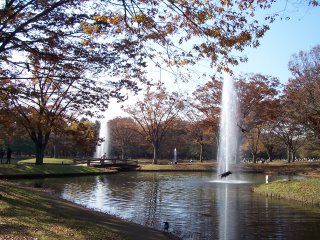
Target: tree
{"points": [[207, 101], [84, 136], [60, 31], [252, 142], [112, 38], [93, 30], [202, 121], [300, 101], [57, 93], [49, 71], [202, 135], [155, 115], [12, 133], [171, 25], [177, 139], [258, 101], [303, 90], [257, 96], [269, 139], [311, 147], [123, 134], [292, 135]]}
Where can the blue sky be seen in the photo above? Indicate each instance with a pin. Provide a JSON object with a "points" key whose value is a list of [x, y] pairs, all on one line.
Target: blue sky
{"points": [[285, 38]]}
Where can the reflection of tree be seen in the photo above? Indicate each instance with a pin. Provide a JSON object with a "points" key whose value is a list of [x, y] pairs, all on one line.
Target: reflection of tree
{"points": [[195, 208], [77, 185], [122, 186], [152, 199], [206, 213]]}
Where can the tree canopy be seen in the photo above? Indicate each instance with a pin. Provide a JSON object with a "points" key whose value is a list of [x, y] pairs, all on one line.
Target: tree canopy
{"points": [[102, 32], [155, 115], [305, 68], [63, 58]]}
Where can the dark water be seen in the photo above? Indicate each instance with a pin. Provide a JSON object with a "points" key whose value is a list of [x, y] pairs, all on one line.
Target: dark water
{"points": [[197, 205]]}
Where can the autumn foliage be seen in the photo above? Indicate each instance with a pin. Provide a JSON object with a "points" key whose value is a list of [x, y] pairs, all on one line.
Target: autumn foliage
{"points": [[64, 59]]}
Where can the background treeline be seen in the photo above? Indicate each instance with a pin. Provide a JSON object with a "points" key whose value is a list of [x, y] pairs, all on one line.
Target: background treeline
{"points": [[275, 121], [75, 139]]}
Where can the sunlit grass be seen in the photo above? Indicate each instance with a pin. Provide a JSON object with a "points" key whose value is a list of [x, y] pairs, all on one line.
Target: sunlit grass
{"points": [[29, 215], [49, 161], [305, 190]]}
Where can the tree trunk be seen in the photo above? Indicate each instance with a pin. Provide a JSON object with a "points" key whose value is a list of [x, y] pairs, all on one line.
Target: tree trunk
{"points": [[201, 152], [293, 155], [254, 157], [269, 153], [41, 141], [54, 150], [122, 153], [269, 156], [288, 155], [39, 153], [155, 154]]}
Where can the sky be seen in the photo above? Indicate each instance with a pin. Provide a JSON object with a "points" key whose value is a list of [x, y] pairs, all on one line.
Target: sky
{"points": [[285, 38]]}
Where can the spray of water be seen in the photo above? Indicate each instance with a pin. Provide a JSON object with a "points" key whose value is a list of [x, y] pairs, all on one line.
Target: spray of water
{"points": [[228, 137], [103, 148], [175, 155]]}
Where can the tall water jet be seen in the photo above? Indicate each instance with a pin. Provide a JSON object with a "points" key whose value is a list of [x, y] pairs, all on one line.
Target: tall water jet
{"points": [[103, 148], [175, 155], [228, 137]]}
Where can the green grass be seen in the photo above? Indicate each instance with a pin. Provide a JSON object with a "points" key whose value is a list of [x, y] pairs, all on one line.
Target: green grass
{"points": [[50, 166], [305, 190], [28, 215], [49, 161]]}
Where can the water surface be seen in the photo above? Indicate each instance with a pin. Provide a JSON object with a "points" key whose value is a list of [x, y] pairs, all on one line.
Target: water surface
{"points": [[197, 205]]}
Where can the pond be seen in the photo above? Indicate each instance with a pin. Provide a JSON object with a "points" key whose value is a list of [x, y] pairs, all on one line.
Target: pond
{"points": [[197, 205]]}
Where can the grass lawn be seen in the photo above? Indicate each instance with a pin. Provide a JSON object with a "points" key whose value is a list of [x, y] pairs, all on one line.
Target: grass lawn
{"points": [[26, 214], [305, 190], [276, 167], [49, 161]]}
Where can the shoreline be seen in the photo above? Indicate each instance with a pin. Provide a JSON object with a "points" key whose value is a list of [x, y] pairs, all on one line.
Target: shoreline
{"points": [[305, 191], [110, 226], [116, 228]]}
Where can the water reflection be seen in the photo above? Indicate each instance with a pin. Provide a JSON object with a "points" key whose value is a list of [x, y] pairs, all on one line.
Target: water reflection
{"points": [[197, 205]]}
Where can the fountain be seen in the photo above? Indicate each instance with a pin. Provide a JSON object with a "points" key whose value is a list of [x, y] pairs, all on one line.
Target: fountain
{"points": [[175, 156], [103, 148], [228, 139], [227, 155]]}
